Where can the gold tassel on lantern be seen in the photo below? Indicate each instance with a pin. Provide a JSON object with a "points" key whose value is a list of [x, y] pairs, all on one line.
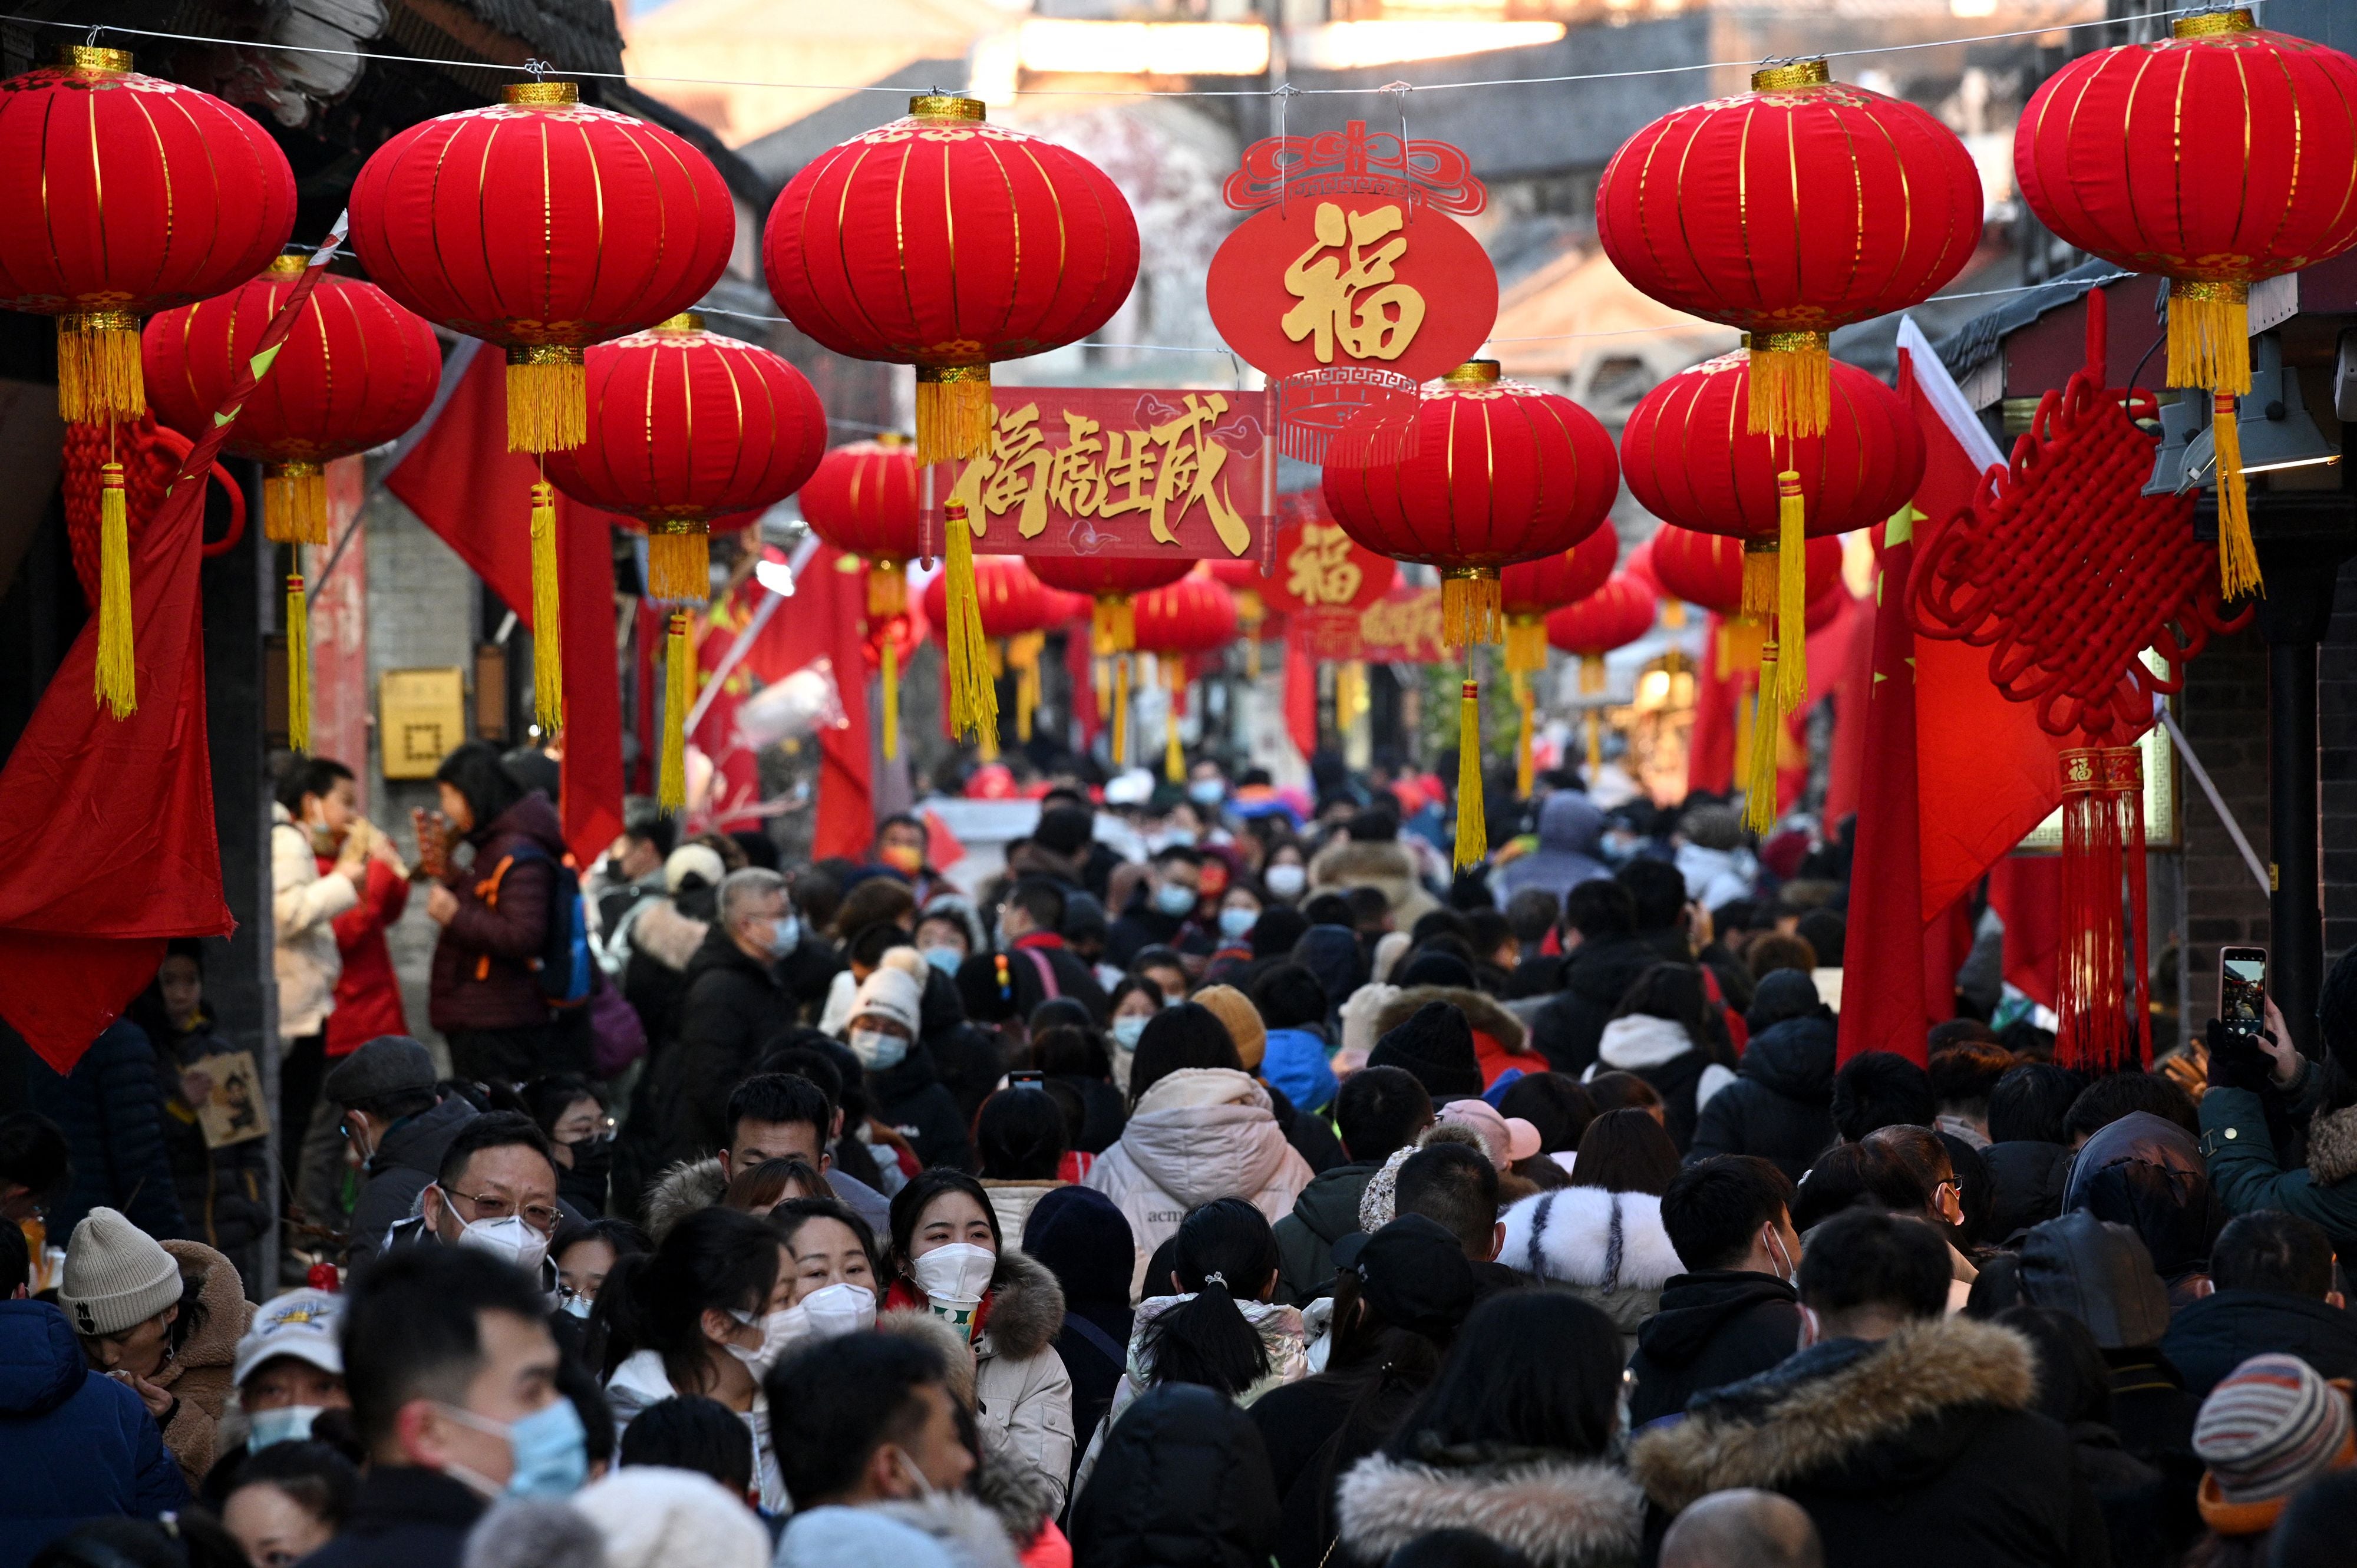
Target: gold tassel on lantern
{"points": [[986, 745], [98, 368], [1100, 679], [548, 397], [954, 413], [117, 680], [2238, 557], [679, 561], [974, 701], [1174, 752], [889, 656], [294, 503], [1526, 645], [1473, 826], [1471, 608], [1791, 592], [1121, 710], [1759, 578], [1792, 389], [1592, 679], [1760, 776], [1525, 700], [1023, 650], [1113, 626], [298, 659], [548, 629], [888, 598], [679, 695], [2209, 347]]}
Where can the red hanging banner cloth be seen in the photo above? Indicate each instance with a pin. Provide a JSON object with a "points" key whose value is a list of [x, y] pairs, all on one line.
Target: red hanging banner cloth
{"points": [[824, 620]]}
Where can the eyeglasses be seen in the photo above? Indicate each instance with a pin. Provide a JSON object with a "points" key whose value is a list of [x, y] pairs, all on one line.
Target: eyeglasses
{"points": [[538, 1216]]}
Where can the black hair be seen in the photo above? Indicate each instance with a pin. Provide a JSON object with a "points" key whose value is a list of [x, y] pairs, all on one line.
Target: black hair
{"points": [[474, 769], [908, 1205], [317, 1479], [547, 1097], [1189, 1035], [1824, 930], [2031, 1104], [1020, 1135], [16, 1261], [1714, 1207], [1529, 1369], [2269, 1250], [1966, 1074], [1128, 984], [692, 1433], [1434, 923], [1379, 1111], [1207, 1340], [1370, 907], [868, 944], [1532, 913], [1674, 992], [1557, 1103], [1735, 915], [400, 1104], [2074, 1383], [1921, 1150], [780, 1096], [191, 1539], [1455, 1186], [1600, 909], [1288, 996], [1329, 909], [788, 1217], [1488, 931], [1175, 854], [1850, 1174], [494, 1129], [627, 1239], [1377, 823], [581, 1389], [2120, 1094], [1880, 1089], [1070, 1050], [34, 1153], [412, 1328], [1658, 889], [1626, 1151], [1618, 1090], [1156, 955], [653, 829], [1862, 1257], [849, 1396], [307, 776], [1041, 900], [758, 1188], [712, 1260]]}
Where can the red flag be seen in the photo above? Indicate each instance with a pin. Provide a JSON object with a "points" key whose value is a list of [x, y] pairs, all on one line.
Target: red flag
{"points": [[1710, 751], [2026, 890], [463, 483]]}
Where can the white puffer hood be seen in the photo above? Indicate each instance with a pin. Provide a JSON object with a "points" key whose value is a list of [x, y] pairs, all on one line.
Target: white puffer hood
{"points": [[1206, 1132]]}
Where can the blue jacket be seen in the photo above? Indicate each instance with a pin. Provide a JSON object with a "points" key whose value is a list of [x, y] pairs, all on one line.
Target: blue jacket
{"points": [[113, 1116], [74, 1446], [1294, 1061]]}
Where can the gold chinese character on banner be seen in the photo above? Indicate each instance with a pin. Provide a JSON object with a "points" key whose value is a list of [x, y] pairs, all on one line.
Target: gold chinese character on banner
{"points": [[1163, 471], [1377, 324], [1320, 571]]}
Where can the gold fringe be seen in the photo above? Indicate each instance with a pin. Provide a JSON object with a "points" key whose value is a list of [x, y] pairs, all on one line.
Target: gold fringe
{"points": [[2238, 558], [1595, 741], [1121, 710], [1472, 609], [98, 368], [117, 677], [888, 590], [1760, 776], [1592, 683], [1791, 593], [1759, 578], [2209, 336], [547, 625], [679, 565], [1473, 826], [548, 400], [987, 748], [298, 659], [890, 656], [1592, 676], [294, 503], [1526, 645], [679, 695], [974, 700], [1525, 772], [1023, 650], [1791, 388], [1251, 655], [1113, 626], [1674, 615], [954, 413], [1744, 640], [1100, 679], [1174, 753]]}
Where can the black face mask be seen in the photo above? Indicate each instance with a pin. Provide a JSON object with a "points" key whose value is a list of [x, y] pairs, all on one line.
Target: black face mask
{"points": [[593, 1157]]}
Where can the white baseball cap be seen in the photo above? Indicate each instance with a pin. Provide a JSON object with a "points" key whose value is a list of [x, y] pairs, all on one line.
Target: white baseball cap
{"points": [[301, 1324]]}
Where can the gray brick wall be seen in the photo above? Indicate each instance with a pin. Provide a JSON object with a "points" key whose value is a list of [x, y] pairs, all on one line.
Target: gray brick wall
{"points": [[2224, 715]]}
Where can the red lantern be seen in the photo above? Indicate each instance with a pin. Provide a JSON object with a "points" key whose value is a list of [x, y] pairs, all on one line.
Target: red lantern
{"points": [[1015, 610], [1192, 615], [863, 500], [126, 195], [1110, 581], [1242, 579], [1527, 591], [1614, 616], [1706, 569], [1803, 204], [2219, 157]]}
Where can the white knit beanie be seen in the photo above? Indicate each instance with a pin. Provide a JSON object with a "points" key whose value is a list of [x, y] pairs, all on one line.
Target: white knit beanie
{"points": [[654, 1517], [116, 1275]]}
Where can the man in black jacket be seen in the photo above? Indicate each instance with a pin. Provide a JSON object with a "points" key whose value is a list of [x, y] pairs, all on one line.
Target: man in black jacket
{"points": [[734, 1009], [1380, 1110], [1909, 1436], [1733, 1314], [1038, 965], [400, 1124], [1605, 957], [2274, 1277]]}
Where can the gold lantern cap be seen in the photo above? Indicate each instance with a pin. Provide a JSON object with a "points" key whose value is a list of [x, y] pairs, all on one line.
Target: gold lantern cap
{"points": [[947, 106], [542, 94], [1790, 73], [1472, 372], [685, 321], [286, 264], [88, 59], [2211, 24]]}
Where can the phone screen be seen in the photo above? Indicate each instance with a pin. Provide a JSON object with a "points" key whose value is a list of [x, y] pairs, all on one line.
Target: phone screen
{"points": [[2242, 992]]}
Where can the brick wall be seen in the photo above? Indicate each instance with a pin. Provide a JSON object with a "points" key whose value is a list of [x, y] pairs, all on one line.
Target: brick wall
{"points": [[2224, 716]]}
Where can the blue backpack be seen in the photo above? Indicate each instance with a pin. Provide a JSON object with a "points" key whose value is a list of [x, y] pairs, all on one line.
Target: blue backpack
{"points": [[565, 962]]}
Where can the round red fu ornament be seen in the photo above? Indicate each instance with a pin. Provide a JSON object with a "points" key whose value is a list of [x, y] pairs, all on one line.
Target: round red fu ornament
{"points": [[1323, 582], [126, 194]]}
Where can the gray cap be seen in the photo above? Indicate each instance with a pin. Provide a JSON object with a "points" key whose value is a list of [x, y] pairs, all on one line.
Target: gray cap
{"points": [[389, 1064]]}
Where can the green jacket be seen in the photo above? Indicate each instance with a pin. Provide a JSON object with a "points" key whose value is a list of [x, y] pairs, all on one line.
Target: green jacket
{"points": [[2248, 1175]]}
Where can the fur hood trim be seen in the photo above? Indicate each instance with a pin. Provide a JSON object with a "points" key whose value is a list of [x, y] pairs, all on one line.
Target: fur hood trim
{"points": [[1808, 1426], [917, 1324], [1481, 1011], [1004, 1484], [1026, 1307], [1587, 1237], [680, 1191], [1558, 1513], [222, 1294], [665, 935], [2333, 1146], [1348, 862], [968, 1532]]}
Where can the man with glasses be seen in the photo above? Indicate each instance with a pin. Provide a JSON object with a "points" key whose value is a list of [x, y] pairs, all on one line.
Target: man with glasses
{"points": [[496, 1191]]}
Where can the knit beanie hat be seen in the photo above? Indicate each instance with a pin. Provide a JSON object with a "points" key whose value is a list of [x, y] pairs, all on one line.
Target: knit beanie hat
{"points": [[1233, 1009], [1437, 1045], [115, 1276], [2273, 1425], [889, 992]]}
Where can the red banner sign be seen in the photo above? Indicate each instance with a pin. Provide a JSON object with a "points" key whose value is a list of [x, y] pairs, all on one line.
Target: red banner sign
{"points": [[1403, 627], [1116, 471]]}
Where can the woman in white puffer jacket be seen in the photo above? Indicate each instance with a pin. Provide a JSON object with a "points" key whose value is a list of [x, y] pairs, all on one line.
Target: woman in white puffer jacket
{"points": [[1200, 1128]]}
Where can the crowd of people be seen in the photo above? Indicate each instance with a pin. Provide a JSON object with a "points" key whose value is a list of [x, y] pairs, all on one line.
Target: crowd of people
{"points": [[1223, 1183]]}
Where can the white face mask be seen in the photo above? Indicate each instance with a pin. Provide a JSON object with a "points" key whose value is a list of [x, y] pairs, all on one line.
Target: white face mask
{"points": [[579, 1305], [510, 1240], [959, 1271], [877, 1050], [1785, 1268], [1127, 1029], [779, 1330], [836, 1310], [1285, 881]]}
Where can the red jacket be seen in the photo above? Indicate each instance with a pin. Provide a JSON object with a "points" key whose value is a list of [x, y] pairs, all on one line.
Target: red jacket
{"points": [[368, 997]]}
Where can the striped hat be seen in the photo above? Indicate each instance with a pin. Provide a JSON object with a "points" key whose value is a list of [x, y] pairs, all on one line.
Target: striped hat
{"points": [[2269, 1429]]}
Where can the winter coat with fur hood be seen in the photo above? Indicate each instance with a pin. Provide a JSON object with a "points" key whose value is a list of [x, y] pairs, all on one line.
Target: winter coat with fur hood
{"points": [[1607, 1248], [945, 1530], [1556, 1510], [1197, 1135], [1500, 1041], [1022, 1394], [197, 1375], [1004, 1481], [1387, 867], [690, 1184], [2248, 1174], [1660, 1052], [1924, 1448]]}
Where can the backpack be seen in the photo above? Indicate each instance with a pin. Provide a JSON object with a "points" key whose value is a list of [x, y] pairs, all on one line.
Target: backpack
{"points": [[565, 964]]}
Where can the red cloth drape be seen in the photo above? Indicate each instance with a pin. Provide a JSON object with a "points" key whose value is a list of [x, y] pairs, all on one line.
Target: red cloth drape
{"points": [[463, 484], [1710, 753], [1300, 697], [2026, 890], [824, 621]]}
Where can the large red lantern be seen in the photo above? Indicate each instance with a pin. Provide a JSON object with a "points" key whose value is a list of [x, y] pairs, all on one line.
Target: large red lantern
{"points": [[1243, 579], [2219, 157], [689, 431], [1527, 590], [125, 195], [863, 500], [1616, 615], [1194, 615], [1800, 206], [1111, 582], [1016, 609]]}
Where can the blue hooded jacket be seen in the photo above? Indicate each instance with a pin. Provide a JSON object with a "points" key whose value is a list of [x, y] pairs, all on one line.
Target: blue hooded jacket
{"points": [[74, 1446]]}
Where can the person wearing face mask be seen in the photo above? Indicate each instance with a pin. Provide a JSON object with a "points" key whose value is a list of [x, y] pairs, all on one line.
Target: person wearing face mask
{"points": [[948, 1258], [904, 1087], [706, 1314], [399, 1125], [1161, 910], [1137, 1001], [733, 1011], [948, 933], [1734, 1312], [831, 1256], [580, 1135], [315, 806], [290, 1367], [586, 1254], [900, 848], [1240, 907], [452, 1377], [1207, 787], [1284, 873], [496, 1193]]}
